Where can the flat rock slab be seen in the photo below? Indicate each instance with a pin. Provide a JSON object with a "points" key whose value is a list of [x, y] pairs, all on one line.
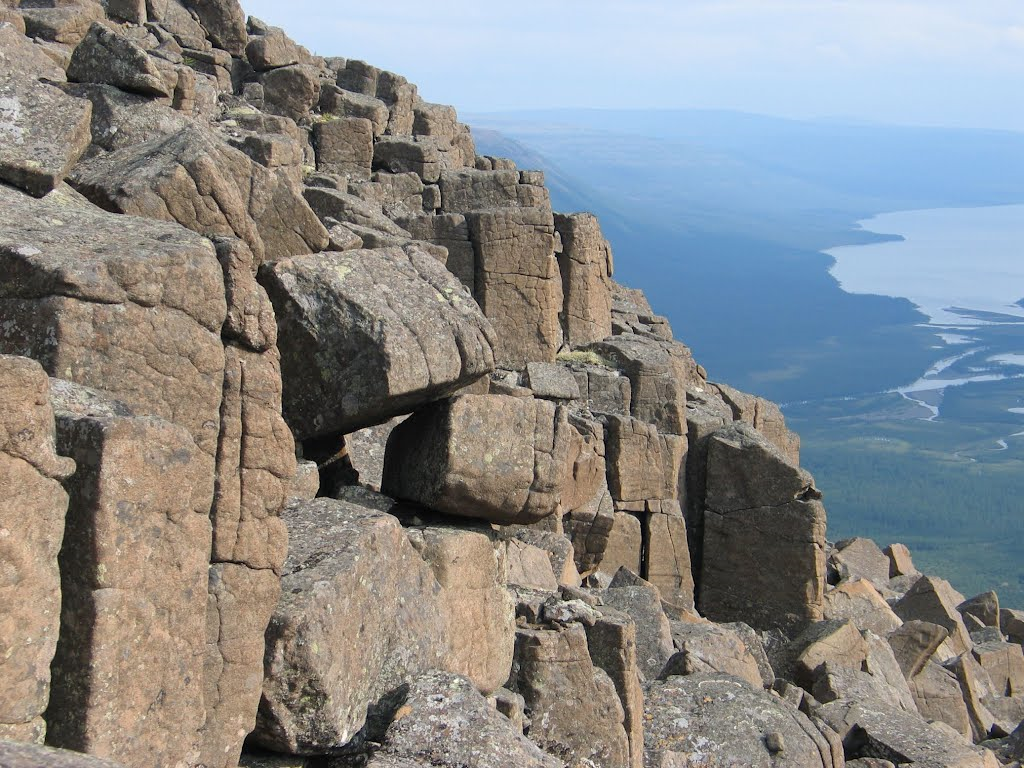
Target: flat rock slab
{"points": [[43, 131], [716, 719], [493, 457], [369, 334]]}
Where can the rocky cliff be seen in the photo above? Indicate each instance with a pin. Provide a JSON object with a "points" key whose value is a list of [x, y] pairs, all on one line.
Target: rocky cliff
{"points": [[324, 441]]}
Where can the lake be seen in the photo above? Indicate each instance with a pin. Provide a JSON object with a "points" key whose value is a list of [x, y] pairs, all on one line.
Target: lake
{"points": [[949, 259]]}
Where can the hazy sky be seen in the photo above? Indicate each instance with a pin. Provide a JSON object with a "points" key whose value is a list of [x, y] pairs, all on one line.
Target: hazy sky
{"points": [[945, 62]]}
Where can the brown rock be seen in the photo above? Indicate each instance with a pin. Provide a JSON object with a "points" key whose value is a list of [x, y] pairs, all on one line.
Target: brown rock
{"points": [[612, 645], [860, 558], [937, 696], [64, 23], [642, 463], [291, 91], [586, 268], [704, 647], [135, 310], [859, 601], [757, 502], [104, 56], [934, 600], [128, 672], [764, 416], [517, 282], [344, 146], [494, 457], [668, 560], [915, 643], [365, 609], [1004, 663], [574, 708], [466, 190], [451, 231], [641, 601], [239, 604], [900, 562], [32, 521], [984, 607], [625, 540], [224, 22]]}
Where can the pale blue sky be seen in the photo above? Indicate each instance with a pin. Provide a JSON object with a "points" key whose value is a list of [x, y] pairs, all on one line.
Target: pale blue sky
{"points": [[939, 62]]}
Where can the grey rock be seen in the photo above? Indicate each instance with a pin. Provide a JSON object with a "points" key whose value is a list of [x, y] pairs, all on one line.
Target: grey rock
{"points": [[393, 330], [641, 601], [721, 718], [272, 49], [336, 101], [349, 209], [463, 191], [445, 722], [43, 132], [984, 607], [704, 647], [401, 155], [17, 755]]}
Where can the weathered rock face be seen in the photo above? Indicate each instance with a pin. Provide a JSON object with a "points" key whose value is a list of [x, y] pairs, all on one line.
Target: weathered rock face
{"points": [[935, 600], [493, 457], [350, 628], [703, 647], [224, 22], [720, 718], [756, 501], [384, 330], [517, 282], [15, 755], [43, 131], [128, 671], [586, 268], [192, 178], [135, 310], [444, 721], [32, 519], [574, 708]]}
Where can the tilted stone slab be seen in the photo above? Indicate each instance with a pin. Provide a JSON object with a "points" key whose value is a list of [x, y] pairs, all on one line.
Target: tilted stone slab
{"points": [[517, 282], [368, 334], [934, 600], [366, 608], [43, 131], [224, 22], [104, 56], [32, 517], [193, 178], [764, 535], [494, 457], [128, 671]]}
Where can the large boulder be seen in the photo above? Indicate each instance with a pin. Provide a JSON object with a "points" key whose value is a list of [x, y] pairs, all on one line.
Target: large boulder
{"points": [[725, 721], [934, 600], [32, 516], [128, 671], [369, 334], [193, 178], [705, 647], [764, 535], [495, 457], [366, 608], [43, 131]]}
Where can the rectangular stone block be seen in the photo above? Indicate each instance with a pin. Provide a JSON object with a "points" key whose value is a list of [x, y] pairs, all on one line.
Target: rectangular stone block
{"points": [[128, 672]]}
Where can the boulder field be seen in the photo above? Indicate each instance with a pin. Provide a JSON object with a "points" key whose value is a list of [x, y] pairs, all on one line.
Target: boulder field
{"points": [[326, 442]]}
